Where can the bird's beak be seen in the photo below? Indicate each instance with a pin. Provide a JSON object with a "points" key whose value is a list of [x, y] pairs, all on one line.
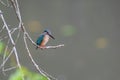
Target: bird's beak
{"points": [[51, 36]]}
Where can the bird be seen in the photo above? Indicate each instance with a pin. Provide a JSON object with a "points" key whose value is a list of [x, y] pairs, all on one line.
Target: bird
{"points": [[43, 38]]}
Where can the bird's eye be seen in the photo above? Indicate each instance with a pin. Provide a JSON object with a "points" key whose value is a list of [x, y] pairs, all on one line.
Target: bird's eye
{"points": [[47, 32]]}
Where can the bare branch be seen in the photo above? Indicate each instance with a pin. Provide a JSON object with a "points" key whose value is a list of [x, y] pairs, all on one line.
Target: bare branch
{"points": [[18, 35], [5, 60], [4, 56], [11, 31], [33, 59], [11, 68], [5, 4], [12, 41], [2, 29], [52, 47]]}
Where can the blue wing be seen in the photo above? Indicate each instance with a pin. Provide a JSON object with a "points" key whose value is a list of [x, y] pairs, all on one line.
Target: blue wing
{"points": [[39, 40]]}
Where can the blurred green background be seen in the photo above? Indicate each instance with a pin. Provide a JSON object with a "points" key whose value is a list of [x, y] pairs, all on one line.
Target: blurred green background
{"points": [[90, 30]]}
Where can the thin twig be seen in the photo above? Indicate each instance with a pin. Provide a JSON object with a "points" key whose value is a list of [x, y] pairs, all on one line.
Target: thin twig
{"points": [[5, 4], [18, 35], [2, 29], [6, 59], [11, 68], [11, 31], [35, 64], [4, 56], [52, 47]]}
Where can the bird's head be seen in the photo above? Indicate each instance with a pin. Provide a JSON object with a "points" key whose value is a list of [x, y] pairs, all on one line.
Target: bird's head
{"points": [[49, 33]]}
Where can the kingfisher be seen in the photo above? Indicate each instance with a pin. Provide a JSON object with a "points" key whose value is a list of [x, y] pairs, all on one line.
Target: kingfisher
{"points": [[44, 38]]}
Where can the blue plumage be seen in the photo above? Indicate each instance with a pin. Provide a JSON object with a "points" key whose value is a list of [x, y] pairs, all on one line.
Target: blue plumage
{"points": [[39, 40]]}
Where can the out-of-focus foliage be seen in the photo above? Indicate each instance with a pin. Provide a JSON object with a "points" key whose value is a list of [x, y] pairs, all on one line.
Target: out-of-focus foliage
{"points": [[34, 26], [68, 30], [28, 75], [1, 47], [101, 42]]}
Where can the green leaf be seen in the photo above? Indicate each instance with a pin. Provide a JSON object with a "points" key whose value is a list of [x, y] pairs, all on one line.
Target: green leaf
{"points": [[38, 77], [17, 75], [1, 47]]}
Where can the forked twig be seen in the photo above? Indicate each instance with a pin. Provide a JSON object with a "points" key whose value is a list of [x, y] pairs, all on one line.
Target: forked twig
{"points": [[11, 31], [12, 41], [11, 68], [4, 56], [5, 4]]}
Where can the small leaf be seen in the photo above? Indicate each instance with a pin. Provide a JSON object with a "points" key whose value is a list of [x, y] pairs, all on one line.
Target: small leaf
{"points": [[1, 47]]}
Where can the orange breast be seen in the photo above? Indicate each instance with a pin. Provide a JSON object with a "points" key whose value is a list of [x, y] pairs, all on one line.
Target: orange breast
{"points": [[45, 40]]}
